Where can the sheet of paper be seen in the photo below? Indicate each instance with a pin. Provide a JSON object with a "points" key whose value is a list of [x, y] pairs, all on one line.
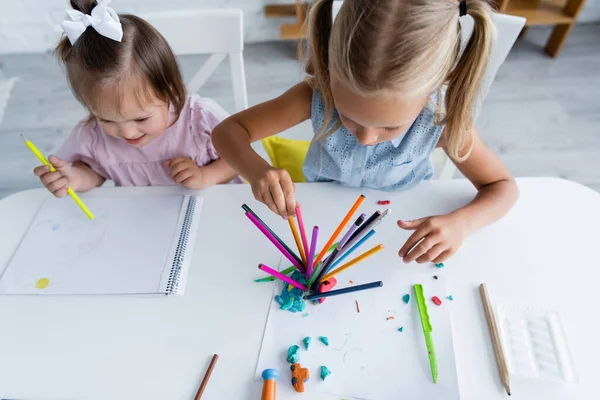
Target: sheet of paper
{"points": [[123, 250], [368, 356]]}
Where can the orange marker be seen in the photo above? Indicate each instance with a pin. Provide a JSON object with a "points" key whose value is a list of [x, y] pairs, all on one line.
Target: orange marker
{"points": [[339, 228], [297, 240], [269, 391], [352, 262]]}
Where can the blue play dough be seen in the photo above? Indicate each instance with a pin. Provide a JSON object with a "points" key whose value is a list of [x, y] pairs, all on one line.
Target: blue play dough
{"points": [[307, 341], [293, 356], [270, 374], [292, 300], [325, 372]]}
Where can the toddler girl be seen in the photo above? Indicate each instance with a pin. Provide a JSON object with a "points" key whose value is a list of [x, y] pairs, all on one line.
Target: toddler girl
{"points": [[142, 129]]}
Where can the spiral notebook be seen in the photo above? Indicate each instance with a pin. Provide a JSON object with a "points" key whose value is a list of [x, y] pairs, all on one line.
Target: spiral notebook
{"points": [[134, 245]]}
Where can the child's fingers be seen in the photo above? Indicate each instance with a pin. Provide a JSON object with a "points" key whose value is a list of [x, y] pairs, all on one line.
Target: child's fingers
{"points": [[288, 193], [41, 170], [176, 161], [183, 175], [413, 240], [443, 256], [60, 193], [279, 198], [410, 225], [267, 199], [51, 177], [58, 184], [420, 248], [57, 162], [431, 254], [179, 167]]}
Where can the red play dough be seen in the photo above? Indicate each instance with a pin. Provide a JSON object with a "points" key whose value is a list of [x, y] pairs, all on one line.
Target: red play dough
{"points": [[326, 287], [436, 301]]}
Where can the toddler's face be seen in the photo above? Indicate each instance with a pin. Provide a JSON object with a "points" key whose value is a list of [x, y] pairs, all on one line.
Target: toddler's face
{"points": [[135, 121], [374, 119]]}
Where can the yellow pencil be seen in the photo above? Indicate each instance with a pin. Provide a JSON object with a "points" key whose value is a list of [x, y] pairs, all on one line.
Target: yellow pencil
{"points": [[352, 262], [71, 192], [298, 242]]}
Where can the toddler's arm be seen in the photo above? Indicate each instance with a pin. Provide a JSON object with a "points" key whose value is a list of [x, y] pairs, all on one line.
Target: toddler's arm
{"points": [[185, 172], [232, 139]]}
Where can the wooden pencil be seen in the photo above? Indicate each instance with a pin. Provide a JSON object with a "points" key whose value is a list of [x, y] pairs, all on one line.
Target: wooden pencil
{"points": [[495, 335], [206, 377], [340, 227], [297, 240], [352, 262]]}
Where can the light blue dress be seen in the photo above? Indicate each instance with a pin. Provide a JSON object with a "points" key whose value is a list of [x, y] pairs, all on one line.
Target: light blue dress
{"points": [[395, 165]]}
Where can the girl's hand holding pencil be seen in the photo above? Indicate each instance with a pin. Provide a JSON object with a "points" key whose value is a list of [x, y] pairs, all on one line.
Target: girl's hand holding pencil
{"points": [[274, 188], [57, 182], [434, 239]]}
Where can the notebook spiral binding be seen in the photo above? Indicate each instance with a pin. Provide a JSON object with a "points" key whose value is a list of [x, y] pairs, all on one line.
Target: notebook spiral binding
{"points": [[175, 274]]}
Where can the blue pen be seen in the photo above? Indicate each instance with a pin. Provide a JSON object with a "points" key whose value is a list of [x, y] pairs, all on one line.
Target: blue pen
{"points": [[356, 246]]}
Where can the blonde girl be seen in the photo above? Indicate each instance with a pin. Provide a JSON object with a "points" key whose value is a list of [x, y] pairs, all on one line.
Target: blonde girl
{"points": [[387, 84]]}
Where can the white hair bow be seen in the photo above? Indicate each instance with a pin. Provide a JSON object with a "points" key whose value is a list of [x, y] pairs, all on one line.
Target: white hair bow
{"points": [[103, 19]]}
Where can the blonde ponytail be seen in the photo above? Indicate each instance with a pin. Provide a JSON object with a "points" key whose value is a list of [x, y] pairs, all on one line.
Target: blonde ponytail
{"points": [[319, 33], [464, 82]]}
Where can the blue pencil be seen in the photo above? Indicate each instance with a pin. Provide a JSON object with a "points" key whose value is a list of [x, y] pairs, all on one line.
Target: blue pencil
{"points": [[356, 246], [350, 289]]}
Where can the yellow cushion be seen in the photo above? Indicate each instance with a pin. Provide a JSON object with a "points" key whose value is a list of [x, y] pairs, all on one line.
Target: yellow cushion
{"points": [[287, 154]]}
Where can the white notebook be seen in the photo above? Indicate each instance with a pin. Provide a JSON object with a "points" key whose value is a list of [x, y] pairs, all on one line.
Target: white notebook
{"points": [[134, 245]]}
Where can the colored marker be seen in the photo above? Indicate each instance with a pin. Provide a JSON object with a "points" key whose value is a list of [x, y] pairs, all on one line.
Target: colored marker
{"points": [[365, 227], [302, 230], [351, 289], [273, 240], [284, 278], [311, 252], [340, 227], [297, 240], [356, 246], [353, 262], [353, 228]]}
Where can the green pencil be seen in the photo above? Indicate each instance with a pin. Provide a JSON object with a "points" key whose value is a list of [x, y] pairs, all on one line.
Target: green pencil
{"points": [[427, 329]]}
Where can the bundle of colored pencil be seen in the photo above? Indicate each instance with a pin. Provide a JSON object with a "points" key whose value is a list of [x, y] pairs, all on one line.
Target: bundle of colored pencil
{"points": [[316, 267]]}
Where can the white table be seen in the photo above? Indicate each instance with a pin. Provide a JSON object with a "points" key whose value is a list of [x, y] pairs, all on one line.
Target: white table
{"points": [[541, 254]]}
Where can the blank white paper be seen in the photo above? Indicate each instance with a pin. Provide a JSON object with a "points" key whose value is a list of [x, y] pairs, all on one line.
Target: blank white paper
{"points": [[368, 356], [124, 250]]}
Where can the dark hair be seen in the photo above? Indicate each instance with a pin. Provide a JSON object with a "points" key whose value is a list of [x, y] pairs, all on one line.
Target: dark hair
{"points": [[95, 61]]}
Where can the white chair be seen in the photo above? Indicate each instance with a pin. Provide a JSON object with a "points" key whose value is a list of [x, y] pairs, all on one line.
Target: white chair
{"points": [[6, 86], [219, 33]]}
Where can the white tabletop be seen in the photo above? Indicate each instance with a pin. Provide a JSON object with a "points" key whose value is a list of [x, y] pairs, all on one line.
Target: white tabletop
{"points": [[98, 347]]}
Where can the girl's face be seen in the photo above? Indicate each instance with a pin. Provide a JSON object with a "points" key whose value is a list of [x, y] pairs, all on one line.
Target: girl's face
{"points": [[135, 121], [374, 119]]}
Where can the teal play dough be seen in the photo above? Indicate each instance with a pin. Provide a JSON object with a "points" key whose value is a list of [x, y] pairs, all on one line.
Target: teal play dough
{"points": [[306, 342], [406, 298], [293, 356], [440, 265], [451, 298], [324, 339], [401, 329], [325, 372], [291, 300]]}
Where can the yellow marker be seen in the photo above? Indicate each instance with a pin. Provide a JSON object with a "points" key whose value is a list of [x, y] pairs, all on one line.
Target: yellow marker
{"points": [[352, 262], [71, 192]]}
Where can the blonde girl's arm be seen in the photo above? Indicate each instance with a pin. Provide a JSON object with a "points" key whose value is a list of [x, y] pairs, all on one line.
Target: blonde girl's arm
{"points": [[496, 188], [438, 237], [233, 136]]}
